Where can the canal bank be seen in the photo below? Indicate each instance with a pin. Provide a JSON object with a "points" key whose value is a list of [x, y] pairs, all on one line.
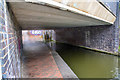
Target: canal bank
{"points": [[87, 63], [91, 49], [71, 24], [67, 62], [40, 62]]}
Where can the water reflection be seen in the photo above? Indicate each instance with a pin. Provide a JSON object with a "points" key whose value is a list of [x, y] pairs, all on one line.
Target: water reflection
{"points": [[88, 64]]}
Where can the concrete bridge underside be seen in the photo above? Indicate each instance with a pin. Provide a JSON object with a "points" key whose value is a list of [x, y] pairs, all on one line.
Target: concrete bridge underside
{"points": [[76, 28], [71, 26], [37, 16]]}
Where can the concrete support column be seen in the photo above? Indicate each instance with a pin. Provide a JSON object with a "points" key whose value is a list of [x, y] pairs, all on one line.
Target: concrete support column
{"points": [[117, 29]]}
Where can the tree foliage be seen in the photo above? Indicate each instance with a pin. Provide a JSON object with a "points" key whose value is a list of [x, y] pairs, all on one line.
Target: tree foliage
{"points": [[119, 5]]}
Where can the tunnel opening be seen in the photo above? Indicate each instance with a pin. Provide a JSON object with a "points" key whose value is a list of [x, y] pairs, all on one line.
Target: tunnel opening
{"points": [[35, 56], [43, 55], [39, 58], [37, 35]]}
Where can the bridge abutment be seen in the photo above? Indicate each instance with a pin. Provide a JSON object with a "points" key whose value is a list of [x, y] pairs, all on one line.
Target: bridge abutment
{"points": [[103, 38]]}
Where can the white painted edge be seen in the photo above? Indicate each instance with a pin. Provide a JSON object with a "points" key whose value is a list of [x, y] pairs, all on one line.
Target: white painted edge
{"points": [[65, 7]]}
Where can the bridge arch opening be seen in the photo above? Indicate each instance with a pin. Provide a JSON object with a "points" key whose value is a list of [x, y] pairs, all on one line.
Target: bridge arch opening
{"points": [[82, 30]]}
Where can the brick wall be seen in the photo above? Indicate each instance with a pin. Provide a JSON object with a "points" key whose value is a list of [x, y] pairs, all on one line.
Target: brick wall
{"points": [[102, 38], [10, 40]]}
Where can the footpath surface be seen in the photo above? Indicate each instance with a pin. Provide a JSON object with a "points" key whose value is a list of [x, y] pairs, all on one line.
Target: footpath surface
{"points": [[38, 62]]}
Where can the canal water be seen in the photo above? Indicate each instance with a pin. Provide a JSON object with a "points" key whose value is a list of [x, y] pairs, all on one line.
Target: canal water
{"points": [[87, 63]]}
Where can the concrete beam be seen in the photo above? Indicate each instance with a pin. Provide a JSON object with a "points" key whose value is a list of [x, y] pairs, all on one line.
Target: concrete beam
{"points": [[32, 16]]}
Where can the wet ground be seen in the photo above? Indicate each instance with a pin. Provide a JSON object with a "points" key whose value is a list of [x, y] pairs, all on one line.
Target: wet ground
{"points": [[88, 64], [38, 62]]}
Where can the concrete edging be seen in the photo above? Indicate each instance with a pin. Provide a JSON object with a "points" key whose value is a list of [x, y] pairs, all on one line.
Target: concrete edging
{"points": [[63, 67], [105, 52]]}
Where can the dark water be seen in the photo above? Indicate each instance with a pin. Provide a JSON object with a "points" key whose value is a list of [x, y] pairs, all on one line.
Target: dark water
{"points": [[88, 64]]}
